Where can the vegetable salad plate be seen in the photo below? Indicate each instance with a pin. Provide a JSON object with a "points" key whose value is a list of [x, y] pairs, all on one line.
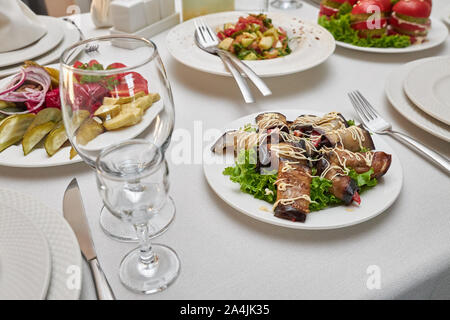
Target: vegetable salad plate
{"points": [[64, 249], [400, 101], [310, 45], [25, 261], [436, 36], [54, 35], [427, 85], [373, 200]]}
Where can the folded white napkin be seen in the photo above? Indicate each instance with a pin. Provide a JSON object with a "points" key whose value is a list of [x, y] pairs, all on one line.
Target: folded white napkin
{"points": [[19, 26]]}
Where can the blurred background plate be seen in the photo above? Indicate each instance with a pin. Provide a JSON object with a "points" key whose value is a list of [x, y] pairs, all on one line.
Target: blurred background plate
{"points": [[71, 36], [64, 249], [53, 37], [25, 261]]}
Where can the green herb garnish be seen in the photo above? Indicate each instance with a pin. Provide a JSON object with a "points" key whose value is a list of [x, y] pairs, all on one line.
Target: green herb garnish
{"points": [[363, 180]]}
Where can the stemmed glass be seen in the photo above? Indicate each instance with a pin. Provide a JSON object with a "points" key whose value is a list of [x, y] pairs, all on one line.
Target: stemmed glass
{"points": [[132, 178], [286, 4], [114, 89]]}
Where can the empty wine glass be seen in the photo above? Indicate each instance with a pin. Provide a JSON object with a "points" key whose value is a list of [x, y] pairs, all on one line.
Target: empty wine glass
{"points": [[286, 4], [132, 178], [115, 93]]}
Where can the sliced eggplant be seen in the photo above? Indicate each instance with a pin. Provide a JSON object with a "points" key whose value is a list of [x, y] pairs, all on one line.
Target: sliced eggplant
{"points": [[353, 138], [293, 190], [271, 120], [328, 122], [13, 128]]}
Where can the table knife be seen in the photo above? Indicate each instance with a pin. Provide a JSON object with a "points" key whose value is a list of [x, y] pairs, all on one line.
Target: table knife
{"points": [[74, 213]]}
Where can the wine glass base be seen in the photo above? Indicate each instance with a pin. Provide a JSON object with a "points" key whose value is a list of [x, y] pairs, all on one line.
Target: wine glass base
{"points": [[286, 5], [138, 278], [125, 232]]}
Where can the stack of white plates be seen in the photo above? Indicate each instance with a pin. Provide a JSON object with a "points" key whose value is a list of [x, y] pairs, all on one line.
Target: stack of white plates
{"points": [[419, 90], [39, 254], [60, 35]]}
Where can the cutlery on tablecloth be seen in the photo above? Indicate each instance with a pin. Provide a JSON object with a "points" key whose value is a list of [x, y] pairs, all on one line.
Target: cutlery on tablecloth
{"points": [[375, 123], [88, 48], [74, 214]]}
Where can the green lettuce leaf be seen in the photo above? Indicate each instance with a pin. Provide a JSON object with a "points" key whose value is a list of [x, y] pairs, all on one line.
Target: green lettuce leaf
{"points": [[363, 180], [340, 27]]}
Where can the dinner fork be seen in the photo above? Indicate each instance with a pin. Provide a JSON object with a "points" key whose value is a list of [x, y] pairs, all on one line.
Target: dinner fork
{"points": [[375, 123], [211, 46], [89, 48]]}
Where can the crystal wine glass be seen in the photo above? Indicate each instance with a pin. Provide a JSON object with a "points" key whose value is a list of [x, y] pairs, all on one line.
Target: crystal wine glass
{"points": [[132, 178], [286, 4], [114, 89]]}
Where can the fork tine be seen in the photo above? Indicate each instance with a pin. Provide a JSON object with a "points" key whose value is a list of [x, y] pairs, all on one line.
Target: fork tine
{"points": [[374, 112], [199, 30], [357, 108], [207, 30], [363, 106]]}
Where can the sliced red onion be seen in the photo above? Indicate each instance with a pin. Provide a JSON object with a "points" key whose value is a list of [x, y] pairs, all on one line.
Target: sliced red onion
{"points": [[36, 97]]}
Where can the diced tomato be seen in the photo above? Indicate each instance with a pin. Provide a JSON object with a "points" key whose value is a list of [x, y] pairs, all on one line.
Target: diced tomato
{"points": [[77, 64], [228, 32], [116, 65], [315, 138], [297, 133], [93, 62], [356, 198], [129, 84], [221, 35]]}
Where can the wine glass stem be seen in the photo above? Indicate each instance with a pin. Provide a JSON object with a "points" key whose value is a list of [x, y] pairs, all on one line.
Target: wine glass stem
{"points": [[147, 256]]}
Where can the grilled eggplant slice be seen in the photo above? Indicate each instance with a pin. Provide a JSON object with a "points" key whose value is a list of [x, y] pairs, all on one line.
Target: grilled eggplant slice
{"points": [[272, 120], [343, 187], [353, 138], [293, 190], [362, 161], [330, 121]]}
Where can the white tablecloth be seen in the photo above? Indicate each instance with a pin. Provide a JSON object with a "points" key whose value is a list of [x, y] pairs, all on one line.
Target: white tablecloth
{"points": [[227, 255]]}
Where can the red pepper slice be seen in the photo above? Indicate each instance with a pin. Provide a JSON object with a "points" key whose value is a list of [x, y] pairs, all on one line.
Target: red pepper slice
{"points": [[356, 198]]}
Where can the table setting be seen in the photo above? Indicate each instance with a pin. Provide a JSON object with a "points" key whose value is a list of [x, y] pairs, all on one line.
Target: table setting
{"points": [[190, 149]]}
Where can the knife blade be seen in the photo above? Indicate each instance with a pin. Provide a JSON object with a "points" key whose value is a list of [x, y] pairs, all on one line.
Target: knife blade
{"points": [[75, 215]]}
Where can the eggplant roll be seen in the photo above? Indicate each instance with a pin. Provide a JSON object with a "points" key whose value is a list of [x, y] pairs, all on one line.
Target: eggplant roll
{"points": [[271, 120], [237, 140], [330, 121], [362, 161], [293, 190], [353, 138], [343, 187]]}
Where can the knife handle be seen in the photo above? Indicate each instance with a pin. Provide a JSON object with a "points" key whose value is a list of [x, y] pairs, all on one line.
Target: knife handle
{"points": [[104, 291]]}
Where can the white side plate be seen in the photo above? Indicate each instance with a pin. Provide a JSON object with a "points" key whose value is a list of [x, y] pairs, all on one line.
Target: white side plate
{"points": [[374, 201], [428, 86], [312, 46], [397, 97]]}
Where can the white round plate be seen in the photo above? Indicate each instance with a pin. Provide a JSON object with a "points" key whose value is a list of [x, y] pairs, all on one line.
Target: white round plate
{"points": [[25, 260], [446, 15], [65, 252], [313, 47], [399, 100], [50, 40], [437, 35], [71, 36], [374, 201], [427, 86]]}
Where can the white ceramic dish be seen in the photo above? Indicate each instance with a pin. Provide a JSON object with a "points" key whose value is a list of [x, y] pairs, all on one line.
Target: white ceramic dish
{"points": [[436, 36], [427, 85], [314, 47], [25, 260], [374, 201], [65, 252], [399, 100], [71, 36], [52, 38]]}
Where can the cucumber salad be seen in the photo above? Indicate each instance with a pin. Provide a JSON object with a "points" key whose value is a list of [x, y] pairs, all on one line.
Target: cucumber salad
{"points": [[254, 38]]}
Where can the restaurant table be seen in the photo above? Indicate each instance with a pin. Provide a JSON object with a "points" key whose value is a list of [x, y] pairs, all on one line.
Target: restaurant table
{"points": [[227, 255]]}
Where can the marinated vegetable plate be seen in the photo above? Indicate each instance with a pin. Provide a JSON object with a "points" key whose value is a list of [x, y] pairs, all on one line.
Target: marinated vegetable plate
{"points": [[296, 44], [303, 170], [32, 133], [394, 27], [254, 38]]}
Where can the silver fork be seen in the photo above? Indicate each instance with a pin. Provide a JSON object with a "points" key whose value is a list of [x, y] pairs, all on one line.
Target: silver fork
{"points": [[204, 42], [212, 48], [375, 123], [89, 48]]}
